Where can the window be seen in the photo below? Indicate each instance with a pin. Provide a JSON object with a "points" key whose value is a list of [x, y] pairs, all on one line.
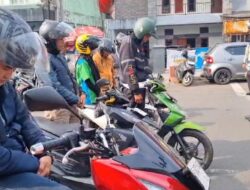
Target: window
{"points": [[191, 42], [204, 42], [169, 32], [168, 42], [236, 50], [165, 6], [204, 30], [191, 6]]}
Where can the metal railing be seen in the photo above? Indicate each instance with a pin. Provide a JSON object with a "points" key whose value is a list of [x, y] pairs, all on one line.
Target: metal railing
{"points": [[188, 8]]}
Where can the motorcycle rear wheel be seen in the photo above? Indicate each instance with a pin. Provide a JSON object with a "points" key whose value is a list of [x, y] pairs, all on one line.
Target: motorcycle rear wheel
{"points": [[193, 149]]}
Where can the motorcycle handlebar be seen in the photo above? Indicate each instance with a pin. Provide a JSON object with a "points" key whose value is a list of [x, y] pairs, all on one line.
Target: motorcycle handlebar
{"points": [[102, 98], [40, 148]]}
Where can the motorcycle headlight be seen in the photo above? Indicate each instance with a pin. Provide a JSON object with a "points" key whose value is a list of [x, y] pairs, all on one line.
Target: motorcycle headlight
{"points": [[150, 185]]}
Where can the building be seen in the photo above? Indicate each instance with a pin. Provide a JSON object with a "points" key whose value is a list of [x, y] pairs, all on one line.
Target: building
{"points": [[197, 23], [236, 21], [125, 15], [75, 12], [194, 23]]}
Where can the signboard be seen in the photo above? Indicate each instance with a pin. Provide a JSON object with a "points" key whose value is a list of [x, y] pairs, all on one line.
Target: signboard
{"points": [[236, 27], [174, 57]]}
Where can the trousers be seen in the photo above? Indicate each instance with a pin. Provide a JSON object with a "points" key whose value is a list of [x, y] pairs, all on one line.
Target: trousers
{"points": [[32, 181]]}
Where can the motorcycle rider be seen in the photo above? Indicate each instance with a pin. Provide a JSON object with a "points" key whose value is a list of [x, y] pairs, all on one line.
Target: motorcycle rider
{"points": [[133, 60], [20, 48], [86, 71], [54, 33], [105, 62]]}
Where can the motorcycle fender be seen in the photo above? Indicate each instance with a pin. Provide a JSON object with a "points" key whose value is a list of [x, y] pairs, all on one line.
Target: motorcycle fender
{"points": [[89, 113], [188, 125]]}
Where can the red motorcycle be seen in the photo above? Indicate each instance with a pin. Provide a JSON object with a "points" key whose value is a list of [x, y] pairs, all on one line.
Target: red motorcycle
{"points": [[151, 165]]}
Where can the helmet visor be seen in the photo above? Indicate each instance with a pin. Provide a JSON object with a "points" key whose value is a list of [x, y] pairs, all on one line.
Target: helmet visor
{"points": [[62, 30], [25, 51]]}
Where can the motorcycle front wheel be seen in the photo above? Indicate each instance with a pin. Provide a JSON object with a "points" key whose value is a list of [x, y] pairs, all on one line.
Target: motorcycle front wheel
{"points": [[196, 144]]}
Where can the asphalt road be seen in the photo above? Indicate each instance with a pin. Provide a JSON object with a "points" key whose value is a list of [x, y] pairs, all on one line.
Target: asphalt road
{"points": [[222, 110]]}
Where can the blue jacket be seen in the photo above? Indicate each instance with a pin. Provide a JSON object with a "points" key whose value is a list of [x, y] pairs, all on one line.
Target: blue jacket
{"points": [[62, 80], [21, 132]]}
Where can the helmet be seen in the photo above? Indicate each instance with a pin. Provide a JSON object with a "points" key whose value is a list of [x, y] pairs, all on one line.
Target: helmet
{"points": [[184, 53], [19, 46], [52, 30], [85, 44], [107, 45], [144, 26]]}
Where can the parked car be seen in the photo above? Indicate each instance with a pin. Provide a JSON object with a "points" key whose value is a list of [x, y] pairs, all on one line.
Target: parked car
{"points": [[224, 62]]}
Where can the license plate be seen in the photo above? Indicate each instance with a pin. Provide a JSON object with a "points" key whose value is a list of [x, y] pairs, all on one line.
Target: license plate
{"points": [[199, 173]]}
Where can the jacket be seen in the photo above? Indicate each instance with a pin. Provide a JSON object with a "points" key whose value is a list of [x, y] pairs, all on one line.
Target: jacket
{"points": [[18, 132], [62, 80], [83, 74], [133, 61], [105, 67]]}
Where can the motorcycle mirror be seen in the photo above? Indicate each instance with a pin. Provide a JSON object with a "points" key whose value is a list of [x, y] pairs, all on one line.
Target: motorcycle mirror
{"points": [[44, 98], [102, 82], [148, 70]]}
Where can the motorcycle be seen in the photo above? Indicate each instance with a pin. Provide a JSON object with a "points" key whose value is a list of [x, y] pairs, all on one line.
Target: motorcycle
{"points": [[173, 118], [186, 137], [185, 72], [150, 165]]}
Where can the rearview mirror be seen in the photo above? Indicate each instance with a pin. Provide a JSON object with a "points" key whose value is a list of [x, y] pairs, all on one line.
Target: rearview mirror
{"points": [[43, 99]]}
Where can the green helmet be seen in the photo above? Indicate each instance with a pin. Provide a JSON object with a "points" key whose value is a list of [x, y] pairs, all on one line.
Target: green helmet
{"points": [[144, 26]]}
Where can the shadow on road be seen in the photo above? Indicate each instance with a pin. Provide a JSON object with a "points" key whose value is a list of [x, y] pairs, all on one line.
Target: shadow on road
{"points": [[192, 112], [231, 165]]}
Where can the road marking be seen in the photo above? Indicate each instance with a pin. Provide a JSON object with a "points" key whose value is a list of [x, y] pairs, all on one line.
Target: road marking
{"points": [[239, 91]]}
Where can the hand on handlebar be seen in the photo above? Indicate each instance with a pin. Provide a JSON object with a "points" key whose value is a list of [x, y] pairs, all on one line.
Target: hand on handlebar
{"points": [[138, 98], [81, 102], [45, 166]]}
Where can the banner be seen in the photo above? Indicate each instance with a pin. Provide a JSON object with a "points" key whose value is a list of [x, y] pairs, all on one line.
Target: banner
{"points": [[174, 57], [236, 27]]}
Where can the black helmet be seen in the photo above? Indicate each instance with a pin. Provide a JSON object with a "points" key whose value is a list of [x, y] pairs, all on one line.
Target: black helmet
{"points": [[52, 30], [107, 45], [19, 46], [184, 53]]}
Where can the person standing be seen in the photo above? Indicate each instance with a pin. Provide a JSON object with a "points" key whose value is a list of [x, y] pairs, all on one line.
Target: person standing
{"points": [[54, 33], [246, 65], [104, 61], [133, 60], [86, 71]]}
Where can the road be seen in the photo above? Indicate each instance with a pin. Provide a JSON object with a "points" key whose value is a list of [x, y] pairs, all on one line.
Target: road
{"points": [[222, 110]]}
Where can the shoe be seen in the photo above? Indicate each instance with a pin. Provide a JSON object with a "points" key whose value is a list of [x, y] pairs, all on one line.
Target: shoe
{"points": [[248, 93]]}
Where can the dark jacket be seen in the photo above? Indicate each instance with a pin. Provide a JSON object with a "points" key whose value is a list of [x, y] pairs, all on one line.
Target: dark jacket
{"points": [[62, 79], [133, 61], [18, 132]]}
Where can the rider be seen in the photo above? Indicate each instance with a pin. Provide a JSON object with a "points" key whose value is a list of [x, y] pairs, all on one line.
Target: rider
{"points": [[86, 72], [133, 60], [54, 33], [20, 48], [105, 62]]}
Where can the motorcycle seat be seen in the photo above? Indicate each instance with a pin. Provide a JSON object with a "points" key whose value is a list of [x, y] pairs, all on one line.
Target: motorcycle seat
{"points": [[54, 128]]}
